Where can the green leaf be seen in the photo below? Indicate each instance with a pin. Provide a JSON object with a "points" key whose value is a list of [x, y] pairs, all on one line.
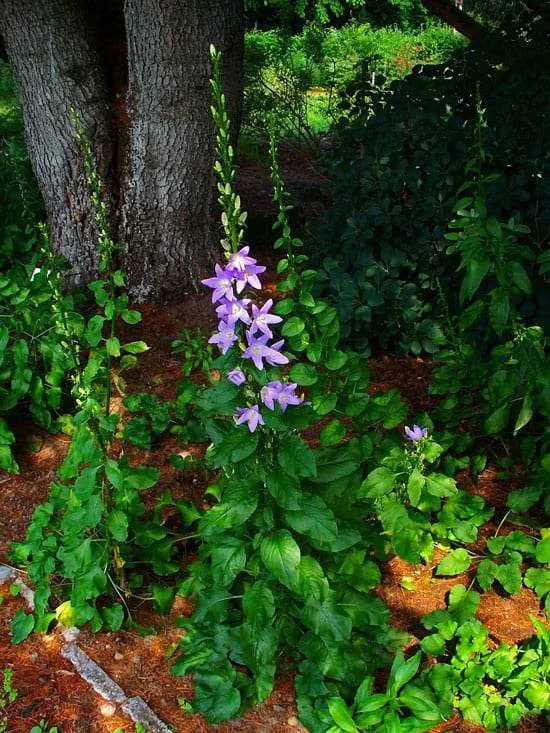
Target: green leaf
{"points": [[538, 694], [332, 433], [315, 520], [281, 556], [237, 445], [303, 375], [520, 278], [415, 484], [117, 524], [325, 403], [141, 477], [525, 414], [378, 483], [285, 490], [486, 573], [402, 671], [456, 562], [259, 605], [114, 616], [475, 273], [509, 576], [94, 330], [521, 500], [215, 697], [163, 597], [463, 603], [325, 620], [434, 645], [21, 626], [296, 457], [498, 419], [421, 703], [135, 347], [113, 346], [437, 484], [239, 503], [341, 715], [131, 316], [542, 552], [292, 327], [539, 580], [228, 560]]}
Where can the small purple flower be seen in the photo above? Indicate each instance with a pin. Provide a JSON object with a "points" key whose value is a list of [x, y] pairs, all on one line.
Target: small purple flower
{"points": [[249, 277], [239, 261], [250, 415], [287, 396], [262, 318], [236, 377], [222, 284], [417, 433], [232, 311], [258, 350], [270, 394], [224, 338]]}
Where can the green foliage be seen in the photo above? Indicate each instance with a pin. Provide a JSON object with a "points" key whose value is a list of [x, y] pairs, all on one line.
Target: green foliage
{"points": [[196, 352], [399, 159], [8, 694]]}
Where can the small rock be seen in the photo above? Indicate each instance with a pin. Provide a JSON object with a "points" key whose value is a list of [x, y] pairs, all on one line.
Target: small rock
{"points": [[118, 656], [293, 721], [107, 710], [278, 708]]}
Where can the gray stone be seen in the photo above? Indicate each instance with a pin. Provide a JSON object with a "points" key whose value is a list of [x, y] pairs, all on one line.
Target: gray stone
{"points": [[26, 593], [71, 634], [6, 573], [93, 674], [140, 712]]}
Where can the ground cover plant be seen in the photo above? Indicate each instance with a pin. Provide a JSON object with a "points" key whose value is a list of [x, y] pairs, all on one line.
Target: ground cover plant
{"points": [[311, 486]]}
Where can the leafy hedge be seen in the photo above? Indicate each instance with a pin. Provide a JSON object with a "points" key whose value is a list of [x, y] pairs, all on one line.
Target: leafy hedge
{"points": [[401, 155]]}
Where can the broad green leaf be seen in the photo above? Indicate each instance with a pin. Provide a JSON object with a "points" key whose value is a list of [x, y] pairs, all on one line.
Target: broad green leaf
{"points": [[325, 619], [415, 484], [163, 597], [378, 483], [486, 574], [437, 484], [542, 552], [141, 477], [135, 347], [434, 645], [21, 626], [311, 581], [539, 580], [315, 520], [114, 616], [325, 403], [456, 562], [117, 524], [525, 414], [341, 715], [113, 346], [509, 576], [497, 420], [538, 694], [259, 605], [296, 457], [303, 375], [281, 556], [292, 327], [228, 560], [402, 671], [215, 697], [463, 603], [475, 273], [332, 433], [239, 502], [237, 445], [285, 490]]}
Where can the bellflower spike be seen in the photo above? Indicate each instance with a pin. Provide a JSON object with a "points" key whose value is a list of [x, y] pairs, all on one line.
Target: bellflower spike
{"points": [[258, 350], [270, 394], [250, 415], [240, 261], [222, 285], [224, 339], [417, 433], [236, 377], [232, 311], [262, 318]]}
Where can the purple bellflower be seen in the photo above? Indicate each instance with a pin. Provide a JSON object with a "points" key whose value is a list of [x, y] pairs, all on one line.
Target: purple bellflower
{"points": [[417, 433], [262, 318], [287, 396], [258, 350], [240, 261], [236, 377], [249, 277], [222, 284], [231, 311], [224, 338], [250, 415], [270, 394]]}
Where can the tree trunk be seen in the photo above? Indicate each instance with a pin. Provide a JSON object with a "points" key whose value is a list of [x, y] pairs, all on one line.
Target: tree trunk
{"points": [[57, 67], [454, 16], [169, 212], [154, 144]]}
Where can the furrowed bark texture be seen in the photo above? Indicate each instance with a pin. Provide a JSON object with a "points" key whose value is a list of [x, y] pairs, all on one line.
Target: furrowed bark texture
{"points": [[169, 222], [53, 53]]}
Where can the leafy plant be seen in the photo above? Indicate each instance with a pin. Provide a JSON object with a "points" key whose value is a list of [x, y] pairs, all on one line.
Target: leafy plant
{"points": [[8, 694], [197, 354]]}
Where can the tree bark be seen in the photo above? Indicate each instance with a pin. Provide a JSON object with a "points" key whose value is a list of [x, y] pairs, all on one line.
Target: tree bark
{"points": [[449, 13], [53, 53], [137, 71], [169, 213]]}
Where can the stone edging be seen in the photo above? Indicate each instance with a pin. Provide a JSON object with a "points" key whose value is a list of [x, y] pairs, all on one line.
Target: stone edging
{"points": [[134, 707]]}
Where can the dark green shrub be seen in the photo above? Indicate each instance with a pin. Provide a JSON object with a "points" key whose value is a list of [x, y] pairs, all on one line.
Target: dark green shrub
{"points": [[399, 159]]}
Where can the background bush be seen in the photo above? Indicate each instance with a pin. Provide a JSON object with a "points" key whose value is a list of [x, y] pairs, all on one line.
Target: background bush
{"points": [[398, 160]]}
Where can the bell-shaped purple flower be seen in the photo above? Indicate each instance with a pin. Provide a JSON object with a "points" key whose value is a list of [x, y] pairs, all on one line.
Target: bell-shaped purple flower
{"points": [[287, 396], [416, 433], [235, 310], [236, 377], [240, 261], [222, 284], [224, 338], [270, 394], [262, 318], [249, 277], [258, 350], [249, 415]]}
